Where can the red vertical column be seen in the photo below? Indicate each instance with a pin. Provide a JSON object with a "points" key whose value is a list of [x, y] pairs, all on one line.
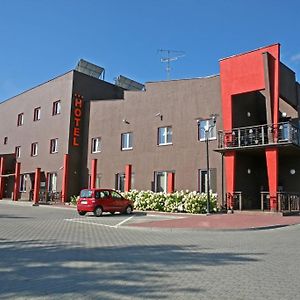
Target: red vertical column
{"points": [[171, 181], [64, 190], [17, 181], [1, 178], [230, 177], [272, 167], [128, 172], [37, 184], [93, 173]]}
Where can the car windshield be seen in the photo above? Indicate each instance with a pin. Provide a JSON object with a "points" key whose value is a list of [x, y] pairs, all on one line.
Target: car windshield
{"points": [[86, 194]]}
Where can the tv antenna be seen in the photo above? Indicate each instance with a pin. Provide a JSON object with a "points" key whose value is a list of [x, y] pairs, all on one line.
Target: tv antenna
{"points": [[170, 55]]}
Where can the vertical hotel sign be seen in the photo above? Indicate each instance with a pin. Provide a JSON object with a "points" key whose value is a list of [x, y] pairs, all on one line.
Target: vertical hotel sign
{"points": [[77, 111]]}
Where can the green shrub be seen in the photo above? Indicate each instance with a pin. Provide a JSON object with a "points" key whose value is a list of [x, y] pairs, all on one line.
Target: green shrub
{"points": [[73, 199], [181, 201]]}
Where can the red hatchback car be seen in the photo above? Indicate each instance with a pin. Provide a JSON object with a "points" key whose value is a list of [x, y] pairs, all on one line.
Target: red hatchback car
{"points": [[103, 200]]}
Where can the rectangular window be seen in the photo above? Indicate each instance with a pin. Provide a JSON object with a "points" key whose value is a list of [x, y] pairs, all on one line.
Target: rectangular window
{"points": [[96, 145], [120, 181], [56, 108], [161, 181], [20, 120], [37, 114], [126, 141], [18, 151], [5, 140], [23, 181], [34, 149], [202, 178], [207, 127], [54, 146], [52, 182], [164, 135]]}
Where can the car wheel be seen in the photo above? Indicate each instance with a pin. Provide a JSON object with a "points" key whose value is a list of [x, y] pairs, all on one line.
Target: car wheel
{"points": [[98, 211], [128, 210], [82, 213]]}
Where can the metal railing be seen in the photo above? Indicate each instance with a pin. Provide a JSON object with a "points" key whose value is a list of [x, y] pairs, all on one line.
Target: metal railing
{"points": [[259, 135], [47, 197], [235, 199], [286, 201]]}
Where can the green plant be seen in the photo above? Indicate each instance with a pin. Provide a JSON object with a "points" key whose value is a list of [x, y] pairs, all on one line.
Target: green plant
{"points": [[180, 201], [74, 199]]}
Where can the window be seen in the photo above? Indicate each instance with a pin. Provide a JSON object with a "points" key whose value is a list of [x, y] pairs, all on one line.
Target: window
{"points": [[160, 181], [96, 145], [34, 149], [116, 195], [202, 177], [37, 114], [5, 140], [20, 120], [207, 127], [18, 151], [120, 181], [53, 146], [164, 135], [126, 141], [52, 182], [56, 108], [23, 181]]}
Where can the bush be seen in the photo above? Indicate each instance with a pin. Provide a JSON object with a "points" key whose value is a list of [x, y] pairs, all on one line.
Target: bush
{"points": [[181, 201], [74, 199]]}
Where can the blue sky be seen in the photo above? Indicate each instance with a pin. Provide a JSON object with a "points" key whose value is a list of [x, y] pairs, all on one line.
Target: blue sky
{"points": [[41, 39]]}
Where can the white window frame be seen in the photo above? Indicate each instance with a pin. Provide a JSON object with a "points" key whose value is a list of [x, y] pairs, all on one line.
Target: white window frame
{"points": [[202, 175], [96, 145], [23, 183], [52, 182], [34, 149], [37, 114], [165, 136], [165, 187], [18, 151], [20, 120], [127, 141], [54, 145], [203, 126], [56, 108]]}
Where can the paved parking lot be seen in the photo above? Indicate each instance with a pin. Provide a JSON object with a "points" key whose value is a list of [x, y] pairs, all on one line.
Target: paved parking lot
{"points": [[53, 253]]}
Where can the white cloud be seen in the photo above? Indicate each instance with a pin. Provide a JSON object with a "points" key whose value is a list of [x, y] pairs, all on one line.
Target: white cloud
{"points": [[296, 57]]}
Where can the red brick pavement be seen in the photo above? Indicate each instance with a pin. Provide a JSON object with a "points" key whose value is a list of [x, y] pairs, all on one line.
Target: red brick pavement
{"points": [[234, 221]]}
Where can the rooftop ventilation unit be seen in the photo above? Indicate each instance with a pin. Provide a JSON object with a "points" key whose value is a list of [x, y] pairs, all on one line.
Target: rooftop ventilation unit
{"points": [[90, 69], [128, 84]]}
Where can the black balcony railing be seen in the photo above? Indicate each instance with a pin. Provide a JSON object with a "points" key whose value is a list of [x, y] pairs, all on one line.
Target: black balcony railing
{"points": [[260, 135], [286, 201]]}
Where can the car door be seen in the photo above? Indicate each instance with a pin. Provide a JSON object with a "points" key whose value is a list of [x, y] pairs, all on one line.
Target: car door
{"points": [[105, 200], [118, 200]]}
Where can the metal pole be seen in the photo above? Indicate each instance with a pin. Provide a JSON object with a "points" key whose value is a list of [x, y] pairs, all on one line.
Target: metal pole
{"points": [[207, 173]]}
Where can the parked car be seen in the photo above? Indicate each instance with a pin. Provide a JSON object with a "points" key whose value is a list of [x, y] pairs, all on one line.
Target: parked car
{"points": [[103, 200]]}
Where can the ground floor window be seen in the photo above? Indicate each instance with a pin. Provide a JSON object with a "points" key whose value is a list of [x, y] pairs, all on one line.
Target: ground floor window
{"points": [[161, 181], [202, 179], [23, 182], [52, 182], [120, 181]]}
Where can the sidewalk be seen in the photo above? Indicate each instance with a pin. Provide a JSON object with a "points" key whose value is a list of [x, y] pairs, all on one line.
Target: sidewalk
{"points": [[235, 221], [252, 220]]}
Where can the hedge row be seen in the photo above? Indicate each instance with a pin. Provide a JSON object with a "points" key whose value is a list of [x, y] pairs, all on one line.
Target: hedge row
{"points": [[181, 201]]}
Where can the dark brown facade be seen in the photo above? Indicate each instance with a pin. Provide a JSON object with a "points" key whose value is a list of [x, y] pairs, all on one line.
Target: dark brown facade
{"points": [[177, 104]]}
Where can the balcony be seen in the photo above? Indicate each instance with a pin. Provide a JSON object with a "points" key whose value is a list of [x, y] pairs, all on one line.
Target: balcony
{"points": [[259, 136]]}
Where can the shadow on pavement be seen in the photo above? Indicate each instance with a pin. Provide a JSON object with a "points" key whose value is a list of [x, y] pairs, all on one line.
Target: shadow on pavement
{"points": [[36, 268]]}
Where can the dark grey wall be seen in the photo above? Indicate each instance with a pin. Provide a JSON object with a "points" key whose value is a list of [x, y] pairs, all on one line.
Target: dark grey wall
{"points": [[180, 103]]}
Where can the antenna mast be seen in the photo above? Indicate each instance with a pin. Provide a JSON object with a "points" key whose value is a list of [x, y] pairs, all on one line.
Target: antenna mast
{"points": [[168, 58]]}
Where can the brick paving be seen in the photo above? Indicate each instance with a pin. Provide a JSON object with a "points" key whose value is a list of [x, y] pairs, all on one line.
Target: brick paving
{"points": [[44, 256]]}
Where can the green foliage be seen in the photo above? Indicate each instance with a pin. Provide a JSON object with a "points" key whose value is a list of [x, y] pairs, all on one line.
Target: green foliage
{"points": [[74, 199], [181, 201]]}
